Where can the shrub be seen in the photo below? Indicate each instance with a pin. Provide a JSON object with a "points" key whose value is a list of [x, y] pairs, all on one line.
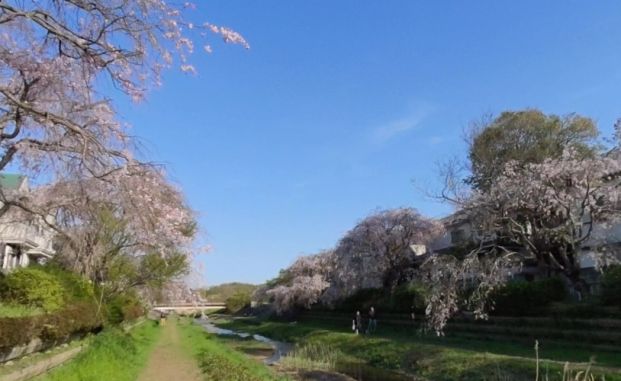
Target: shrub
{"points": [[32, 286], [522, 298], [122, 308], [75, 287], [406, 296], [611, 286], [238, 302]]}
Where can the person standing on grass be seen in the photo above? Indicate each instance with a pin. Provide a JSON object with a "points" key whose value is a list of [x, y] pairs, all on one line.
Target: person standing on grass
{"points": [[357, 323], [372, 321]]}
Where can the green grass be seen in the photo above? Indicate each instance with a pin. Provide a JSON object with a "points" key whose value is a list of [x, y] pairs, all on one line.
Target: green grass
{"points": [[218, 361], [16, 310], [312, 356], [112, 355], [430, 357], [247, 345]]}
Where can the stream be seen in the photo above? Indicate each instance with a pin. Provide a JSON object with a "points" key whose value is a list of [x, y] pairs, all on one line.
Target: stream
{"points": [[280, 348], [359, 372]]}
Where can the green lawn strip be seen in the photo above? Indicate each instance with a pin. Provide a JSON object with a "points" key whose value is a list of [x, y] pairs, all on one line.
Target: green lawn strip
{"points": [[218, 361], [435, 358], [112, 355], [16, 310], [548, 349], [247, 345]]}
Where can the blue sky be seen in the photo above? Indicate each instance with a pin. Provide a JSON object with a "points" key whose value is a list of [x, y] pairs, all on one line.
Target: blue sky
{"points": [[340, 105]]}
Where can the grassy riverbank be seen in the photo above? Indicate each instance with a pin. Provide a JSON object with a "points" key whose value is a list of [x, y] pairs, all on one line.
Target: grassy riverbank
{"points": [[112, 355], [176, 350], [220, 362], [430, 357]]}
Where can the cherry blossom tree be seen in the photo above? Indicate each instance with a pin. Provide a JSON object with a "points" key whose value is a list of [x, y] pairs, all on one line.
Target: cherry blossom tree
{"points": [[378, 252], [549, 210], [455, 283], [55, 58], [58, 125], [302, 284], [546, 212], [134, 212]]}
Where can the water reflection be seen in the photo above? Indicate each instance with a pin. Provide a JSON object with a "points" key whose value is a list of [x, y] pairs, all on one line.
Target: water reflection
{"points": [[280, 348]]}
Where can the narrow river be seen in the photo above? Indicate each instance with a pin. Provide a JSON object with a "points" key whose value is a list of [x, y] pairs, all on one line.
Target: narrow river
{"points": [[360, 372]]}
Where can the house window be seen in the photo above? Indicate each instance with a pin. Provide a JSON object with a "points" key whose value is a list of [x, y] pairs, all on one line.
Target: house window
{"points": [[458, 236]]}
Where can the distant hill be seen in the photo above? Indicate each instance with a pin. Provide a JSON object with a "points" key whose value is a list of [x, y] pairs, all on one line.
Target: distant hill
{"points": [[220, 293]]}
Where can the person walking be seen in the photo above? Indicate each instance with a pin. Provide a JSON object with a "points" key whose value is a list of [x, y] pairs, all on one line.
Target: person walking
{"points": [[372, 320], [357, 323]]}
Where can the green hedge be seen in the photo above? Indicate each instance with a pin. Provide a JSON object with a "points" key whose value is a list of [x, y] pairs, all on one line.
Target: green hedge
{"points": [[361, 300], [46, 287], [33, 287], [77, 319], [400, 300], [611, 286], [522, 298], [75, 287]]}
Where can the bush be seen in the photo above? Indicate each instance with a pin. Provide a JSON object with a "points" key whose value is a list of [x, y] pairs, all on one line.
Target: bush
{"points": [[406, 296], [611, 286], [125, 307], [522, 298], [32, 286], [238, 302], [75, 287]]}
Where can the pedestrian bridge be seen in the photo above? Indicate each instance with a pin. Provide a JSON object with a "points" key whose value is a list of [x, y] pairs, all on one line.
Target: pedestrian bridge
{"points": [[188, 308]]}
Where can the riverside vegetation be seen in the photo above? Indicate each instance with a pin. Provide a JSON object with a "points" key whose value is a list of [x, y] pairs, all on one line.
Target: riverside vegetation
{"points": [[324, 348], [406, 351]]}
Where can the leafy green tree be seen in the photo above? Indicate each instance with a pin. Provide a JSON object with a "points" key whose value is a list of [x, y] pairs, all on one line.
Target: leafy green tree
{"points": [[527, 137], [222, 292], [238, 301], [119, 264], [153, 271]]}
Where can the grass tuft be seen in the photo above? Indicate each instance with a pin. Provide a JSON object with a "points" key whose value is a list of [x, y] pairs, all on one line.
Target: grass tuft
{"points": [[312, 356]]}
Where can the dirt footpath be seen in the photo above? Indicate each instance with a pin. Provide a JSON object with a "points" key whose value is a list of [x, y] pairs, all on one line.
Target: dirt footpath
{"points": [[169, 361]]}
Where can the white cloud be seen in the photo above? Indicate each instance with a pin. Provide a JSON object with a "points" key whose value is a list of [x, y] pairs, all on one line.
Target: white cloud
{"points": [[400, 126], [435, 140]]}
